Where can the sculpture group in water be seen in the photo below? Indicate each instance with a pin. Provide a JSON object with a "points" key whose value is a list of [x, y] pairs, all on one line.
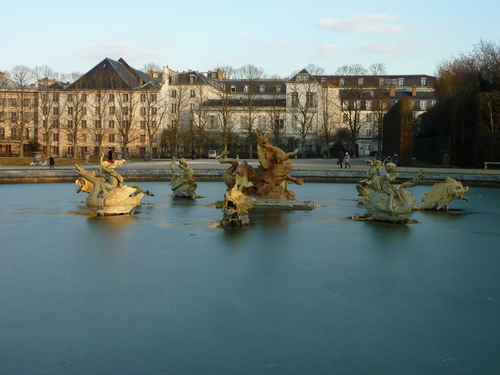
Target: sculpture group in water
{"points": [[107, 194], [388, 201], [383, 198]]}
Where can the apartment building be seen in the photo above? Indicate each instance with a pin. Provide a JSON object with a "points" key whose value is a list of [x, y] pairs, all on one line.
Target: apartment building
{"points": [[116, 106]]}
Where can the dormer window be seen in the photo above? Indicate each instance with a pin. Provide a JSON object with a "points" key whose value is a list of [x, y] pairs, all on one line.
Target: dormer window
{"points": [[401, 82], [278, 88], [423, 81], [233, 88], [262, 88], [245, 88]]}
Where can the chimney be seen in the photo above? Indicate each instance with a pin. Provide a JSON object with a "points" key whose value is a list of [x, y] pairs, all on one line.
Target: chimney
{"points": [[150, 73], [392, 90], [413, 90]]}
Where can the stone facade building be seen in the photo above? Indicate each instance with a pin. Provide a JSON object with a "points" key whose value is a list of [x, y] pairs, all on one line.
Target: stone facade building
{"points": [[142, 114]]}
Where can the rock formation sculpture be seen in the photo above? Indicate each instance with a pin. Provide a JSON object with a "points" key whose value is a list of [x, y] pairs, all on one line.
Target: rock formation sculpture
{"points": [[182, 182], [270, 179]]}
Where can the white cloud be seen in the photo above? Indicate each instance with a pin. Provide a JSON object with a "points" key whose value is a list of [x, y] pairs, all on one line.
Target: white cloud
{"points": [[379, 48], [362, 23], [327, 50], [280, 46]]}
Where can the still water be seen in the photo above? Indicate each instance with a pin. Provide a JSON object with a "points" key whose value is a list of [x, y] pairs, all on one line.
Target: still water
{"points": [[298, 292]]}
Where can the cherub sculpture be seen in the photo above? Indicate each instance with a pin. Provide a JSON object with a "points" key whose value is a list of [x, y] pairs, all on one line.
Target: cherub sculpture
{"points": [[389, 201], [107, 194], [182, 182]]}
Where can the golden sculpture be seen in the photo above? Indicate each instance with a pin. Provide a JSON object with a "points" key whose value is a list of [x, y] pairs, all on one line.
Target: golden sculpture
{"points": [[442, 194], [107, 194], [182, 182], [385, 200], [236, 205], [270, 179]]}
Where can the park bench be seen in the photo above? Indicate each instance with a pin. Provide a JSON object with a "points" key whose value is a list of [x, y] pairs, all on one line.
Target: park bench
{"points": [[486, 163]]}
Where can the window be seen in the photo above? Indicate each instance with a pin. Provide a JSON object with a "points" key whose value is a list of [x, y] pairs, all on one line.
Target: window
{"points": [[342, 81], [70, 137], [368, 117], [277, 88], [55, 137], [368, 133], [173, 93], [262, 88], [111, 138], [154, 97], [233, 88], [192, 93], [71, 98], [192, 79], [154, 111], [191, 106], [26, 133], [368, 105], [13, 116], [111, 98], [245, 88], [295, 99], [125, 111], [212, 122], [423, 105], [345, 117], [71, 124], [84, 111], [55, 110], [423, 81], [56, 124], [97, 124], [360, 81], [84, 98], [174, 107], [174, 79], [111, 124], [143, 125], [143, 138], [143, 98], [70, 111], [55, 97], [112, 111], [401, 81], [309, 99], [84, 124], [143, 111], [381, 82], [125, 97], [2, 133]]}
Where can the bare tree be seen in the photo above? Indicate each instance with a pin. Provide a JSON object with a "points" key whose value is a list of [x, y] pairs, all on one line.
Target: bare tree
{"points": [[380, 99], [21, 78], [304, 97], [126, 105], [276, 110], [224, 82], [200, 116], [179, 106], [99, 112], [153, 111], [351, 84], [76, 107], [252, 79]]}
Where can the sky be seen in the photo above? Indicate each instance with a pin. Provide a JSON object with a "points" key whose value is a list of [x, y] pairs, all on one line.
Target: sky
{"points": [[280, 37]]}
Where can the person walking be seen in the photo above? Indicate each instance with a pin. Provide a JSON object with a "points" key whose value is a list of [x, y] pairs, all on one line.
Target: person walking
{"points": [[347, 160], [110, 155], [341, 158], [51, 162]]}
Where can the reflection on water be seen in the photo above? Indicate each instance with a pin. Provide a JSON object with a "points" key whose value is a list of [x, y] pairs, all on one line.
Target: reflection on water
{"points": [[296, 292]]}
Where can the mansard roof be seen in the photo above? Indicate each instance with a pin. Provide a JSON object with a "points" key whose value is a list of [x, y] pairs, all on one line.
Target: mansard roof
{"points": [[111, 74], [244, 102]]}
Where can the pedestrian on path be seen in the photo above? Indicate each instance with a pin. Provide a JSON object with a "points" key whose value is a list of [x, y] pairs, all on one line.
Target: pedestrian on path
{"points": [[347, 160], [341, 158]]}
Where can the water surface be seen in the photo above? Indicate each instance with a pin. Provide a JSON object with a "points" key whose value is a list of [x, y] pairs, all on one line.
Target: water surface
{"points": [[298, 292]]}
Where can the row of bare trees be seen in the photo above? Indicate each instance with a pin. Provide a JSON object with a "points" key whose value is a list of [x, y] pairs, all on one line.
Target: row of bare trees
{"points": [[39, 99]]}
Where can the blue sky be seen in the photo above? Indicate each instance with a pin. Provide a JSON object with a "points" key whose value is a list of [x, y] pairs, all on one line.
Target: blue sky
{"points": [[409, 37]]}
